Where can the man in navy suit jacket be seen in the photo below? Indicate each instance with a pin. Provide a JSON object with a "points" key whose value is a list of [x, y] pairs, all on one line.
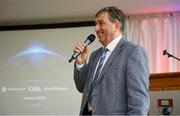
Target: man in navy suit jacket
{"points": [[121, 87]]}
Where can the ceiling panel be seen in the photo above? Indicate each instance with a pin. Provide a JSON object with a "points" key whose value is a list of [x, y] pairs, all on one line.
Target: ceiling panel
{"points": [[53, 11]]}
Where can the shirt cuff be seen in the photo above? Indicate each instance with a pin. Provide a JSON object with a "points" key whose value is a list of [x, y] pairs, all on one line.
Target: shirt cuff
{"points": [[79, 66]]}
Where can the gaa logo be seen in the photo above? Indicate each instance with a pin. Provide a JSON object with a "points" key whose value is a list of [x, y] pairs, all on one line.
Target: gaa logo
{"points": [[34, 89], [165, 106]]}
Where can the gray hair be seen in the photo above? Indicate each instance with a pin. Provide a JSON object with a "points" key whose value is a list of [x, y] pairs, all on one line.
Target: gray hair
{"points": [[114, 14]]}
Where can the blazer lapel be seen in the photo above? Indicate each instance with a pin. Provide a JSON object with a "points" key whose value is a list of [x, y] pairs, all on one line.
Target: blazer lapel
{"points": [[111, 58], [92, 69]]}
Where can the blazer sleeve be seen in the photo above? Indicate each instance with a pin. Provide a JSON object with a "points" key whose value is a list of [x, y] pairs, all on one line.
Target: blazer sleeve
{"points": [[138, 83], [80, 76]]}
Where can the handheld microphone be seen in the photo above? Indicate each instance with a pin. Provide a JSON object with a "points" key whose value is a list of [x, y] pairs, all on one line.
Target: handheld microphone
{"points": [[87, 42]]}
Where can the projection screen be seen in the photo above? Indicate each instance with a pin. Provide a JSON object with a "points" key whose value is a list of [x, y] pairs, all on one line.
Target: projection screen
{"points": [[35, 75]]}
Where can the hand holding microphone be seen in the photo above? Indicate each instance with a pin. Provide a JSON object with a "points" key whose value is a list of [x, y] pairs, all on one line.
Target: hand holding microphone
{"points": [[84, 52], [81, 49]]}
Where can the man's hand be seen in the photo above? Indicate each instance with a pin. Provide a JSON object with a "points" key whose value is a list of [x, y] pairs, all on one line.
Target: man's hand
{"points": [[80, 47]]}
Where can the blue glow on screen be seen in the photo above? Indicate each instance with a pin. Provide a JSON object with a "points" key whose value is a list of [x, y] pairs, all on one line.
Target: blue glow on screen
{"points": [[38, 52]]}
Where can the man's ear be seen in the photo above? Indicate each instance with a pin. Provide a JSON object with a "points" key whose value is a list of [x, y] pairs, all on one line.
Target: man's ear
{"points": [[118, 25]]}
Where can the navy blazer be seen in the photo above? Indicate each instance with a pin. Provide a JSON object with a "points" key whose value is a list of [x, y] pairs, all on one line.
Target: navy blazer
{"points": [[122, 87]]}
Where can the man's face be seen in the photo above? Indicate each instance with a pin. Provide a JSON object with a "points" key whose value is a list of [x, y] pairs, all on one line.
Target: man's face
{"points": [[105, 29]]}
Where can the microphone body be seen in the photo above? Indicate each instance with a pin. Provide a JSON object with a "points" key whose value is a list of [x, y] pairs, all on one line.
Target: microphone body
{"points": [[87, 42]]}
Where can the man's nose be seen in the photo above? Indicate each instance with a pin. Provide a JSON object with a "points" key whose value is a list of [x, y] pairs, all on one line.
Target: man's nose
{"points": [[97, 28]]}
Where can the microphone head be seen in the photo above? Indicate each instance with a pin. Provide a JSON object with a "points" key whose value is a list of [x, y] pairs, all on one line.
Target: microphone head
{"points": [[164, 52], [91, 38]]}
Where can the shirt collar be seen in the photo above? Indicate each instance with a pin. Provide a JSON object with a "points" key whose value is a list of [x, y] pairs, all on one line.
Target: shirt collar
{"points": [[113, 43]]}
